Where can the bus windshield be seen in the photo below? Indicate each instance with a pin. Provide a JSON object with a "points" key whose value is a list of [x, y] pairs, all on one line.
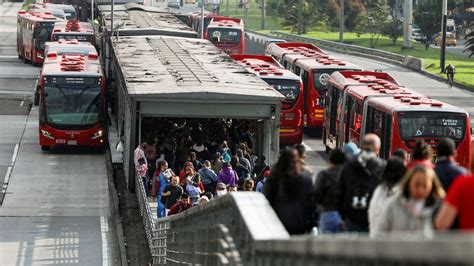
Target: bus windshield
{"points": [[70, 105], [79, 37], [220, 35], [43, 33], [320, 78], [289, 88], [415, 125]]}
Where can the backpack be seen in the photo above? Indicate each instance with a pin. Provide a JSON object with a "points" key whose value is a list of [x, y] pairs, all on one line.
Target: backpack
{"points": [[226, 156]]}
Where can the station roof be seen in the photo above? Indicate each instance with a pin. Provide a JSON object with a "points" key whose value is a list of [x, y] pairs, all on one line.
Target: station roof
{"points": [[405, 104], [135, 22], [72, 65], [164, 67]]}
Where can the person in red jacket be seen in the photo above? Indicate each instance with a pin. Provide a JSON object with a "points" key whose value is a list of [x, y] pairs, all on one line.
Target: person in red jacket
{"points": [[180, 206]]}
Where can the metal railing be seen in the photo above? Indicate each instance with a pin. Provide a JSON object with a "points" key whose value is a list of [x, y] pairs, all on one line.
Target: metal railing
{"points": [[145, 211]]}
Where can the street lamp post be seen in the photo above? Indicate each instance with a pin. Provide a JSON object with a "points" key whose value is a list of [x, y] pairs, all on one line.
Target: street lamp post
{"points": [[202, 19], [341, 22], [92, 11], [262, 24], [407, 23], [442, 56]]}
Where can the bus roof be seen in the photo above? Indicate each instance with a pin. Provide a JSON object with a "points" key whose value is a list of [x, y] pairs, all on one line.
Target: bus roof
{"points": [[73, 27], [374, 90], [226, 22], [279, 49], [69, 47], [266, 67], [342, 79], [72, 65], [395, 104], [43, 16], [129, 6], [185, 69], [140, 22], [318, 61]]}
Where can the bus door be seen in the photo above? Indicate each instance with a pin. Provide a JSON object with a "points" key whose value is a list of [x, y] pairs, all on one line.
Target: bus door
{"points": [[344, 116], [355, 122], [379, 123], [331, 114], [305, 79]]}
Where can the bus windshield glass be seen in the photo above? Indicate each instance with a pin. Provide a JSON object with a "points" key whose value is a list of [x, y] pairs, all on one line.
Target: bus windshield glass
{"points": [[79, 37], [43, 33], [70, 50], [415, 125], [321, 78], [72, 105], [289, 88], [221, 35]]}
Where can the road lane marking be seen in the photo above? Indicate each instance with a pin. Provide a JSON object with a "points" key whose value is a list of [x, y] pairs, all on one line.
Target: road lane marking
{"points": [[104, 227], [308, 148], [15, 153], [7, 175]]}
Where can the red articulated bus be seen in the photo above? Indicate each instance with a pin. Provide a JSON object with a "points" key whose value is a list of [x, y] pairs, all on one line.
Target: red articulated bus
{"points": [[315, 71], [280, 49], [401, 121], [288, 84], [33, 30], [69, 30], [227, 34], [72, 101]]}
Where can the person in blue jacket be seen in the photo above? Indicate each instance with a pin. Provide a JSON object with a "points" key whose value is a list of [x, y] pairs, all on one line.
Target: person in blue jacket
{"points": [[165, 173]]}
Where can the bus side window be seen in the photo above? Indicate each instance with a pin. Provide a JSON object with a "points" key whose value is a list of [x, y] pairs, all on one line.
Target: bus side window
{"points": [[305, 78], [332, 108], [386, 135], [348, 115], [297, 70]]}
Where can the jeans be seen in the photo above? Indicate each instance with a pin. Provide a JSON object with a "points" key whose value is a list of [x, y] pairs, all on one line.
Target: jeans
{"points": [[160, 209], [330, 222]]}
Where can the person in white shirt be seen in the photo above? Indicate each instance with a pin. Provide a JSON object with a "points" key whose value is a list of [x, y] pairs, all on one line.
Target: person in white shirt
{"points": [[139, 153]]}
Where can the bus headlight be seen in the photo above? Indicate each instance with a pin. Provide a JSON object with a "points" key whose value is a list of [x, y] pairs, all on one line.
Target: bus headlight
{"points": [[46, 134], [97, 134]]}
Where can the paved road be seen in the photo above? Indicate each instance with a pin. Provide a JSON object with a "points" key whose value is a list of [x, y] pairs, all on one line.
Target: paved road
{"points": [[414, 80], [56, 206], [457, 50]]}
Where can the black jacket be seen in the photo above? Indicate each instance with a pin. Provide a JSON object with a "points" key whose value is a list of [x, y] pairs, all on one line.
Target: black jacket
{"points": [[358, 179], [327, 189], [296, 212]]}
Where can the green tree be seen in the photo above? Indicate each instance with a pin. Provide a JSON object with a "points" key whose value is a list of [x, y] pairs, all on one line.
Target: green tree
{"points": [[393, 29], [428, 18], [311, 14], [353, 11], [371, 21]]}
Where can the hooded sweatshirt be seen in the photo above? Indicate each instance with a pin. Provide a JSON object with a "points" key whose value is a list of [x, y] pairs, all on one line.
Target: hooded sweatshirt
{"points": [[228, 177]]}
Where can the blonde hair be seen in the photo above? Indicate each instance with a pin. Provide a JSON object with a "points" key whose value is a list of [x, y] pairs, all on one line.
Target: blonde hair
{"points": [[437, 191]]}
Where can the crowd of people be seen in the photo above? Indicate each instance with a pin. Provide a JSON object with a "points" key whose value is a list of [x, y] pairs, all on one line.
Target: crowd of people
{"points": [[357, 192], [360, 192], [198, 169]]}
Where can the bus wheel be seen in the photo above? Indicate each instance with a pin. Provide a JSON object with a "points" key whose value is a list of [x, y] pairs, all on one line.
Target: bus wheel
{"points": [[36, 98], [44, 148], [20, 56]]}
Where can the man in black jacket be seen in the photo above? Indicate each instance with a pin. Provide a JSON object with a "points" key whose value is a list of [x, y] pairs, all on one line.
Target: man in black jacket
{"points": [[358, 180]]}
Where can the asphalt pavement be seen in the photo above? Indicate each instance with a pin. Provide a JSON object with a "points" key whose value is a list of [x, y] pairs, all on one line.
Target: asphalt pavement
{"points": [[54, 206]]}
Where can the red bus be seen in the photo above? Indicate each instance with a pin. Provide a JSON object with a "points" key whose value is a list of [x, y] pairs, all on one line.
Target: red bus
{"points": [[73, 29], [347, 93], [33, 30], [315, 72], [72, 101], [227, 34], [288, 84], [280, 49], [400, 122]]}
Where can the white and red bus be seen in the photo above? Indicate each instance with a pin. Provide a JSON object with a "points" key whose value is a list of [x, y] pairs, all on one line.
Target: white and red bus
{"points": [[73, 30], [33, 30], [278, 50], [401, 121], [226, 34], [72, 101], [288, 84]]}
